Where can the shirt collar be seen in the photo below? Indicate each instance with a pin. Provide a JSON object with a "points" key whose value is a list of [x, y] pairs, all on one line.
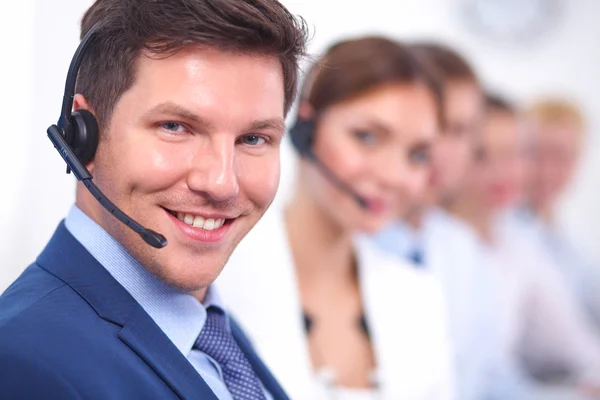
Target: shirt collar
{"points": [[399, 238], [179, 315]]}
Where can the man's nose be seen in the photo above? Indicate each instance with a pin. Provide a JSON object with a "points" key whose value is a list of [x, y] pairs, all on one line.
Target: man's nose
{"points": [[213, 171]]}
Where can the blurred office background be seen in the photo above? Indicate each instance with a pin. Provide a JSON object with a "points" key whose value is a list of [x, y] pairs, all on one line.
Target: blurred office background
{"points": [[522, 48]]}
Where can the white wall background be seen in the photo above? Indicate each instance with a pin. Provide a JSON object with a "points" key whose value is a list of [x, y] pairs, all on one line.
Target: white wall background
{"points": [[38, 38]]}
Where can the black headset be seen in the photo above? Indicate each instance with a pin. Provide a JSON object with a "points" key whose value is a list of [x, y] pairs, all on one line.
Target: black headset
{"points": [[303, 135], [76, 136]]}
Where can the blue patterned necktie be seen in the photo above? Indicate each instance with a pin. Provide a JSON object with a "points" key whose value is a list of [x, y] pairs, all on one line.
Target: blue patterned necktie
{"points": [[217, 342]]}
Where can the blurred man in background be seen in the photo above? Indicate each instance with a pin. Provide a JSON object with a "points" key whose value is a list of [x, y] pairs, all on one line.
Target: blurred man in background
{"points": [[433, 238], [557, 131], [542, 330]]}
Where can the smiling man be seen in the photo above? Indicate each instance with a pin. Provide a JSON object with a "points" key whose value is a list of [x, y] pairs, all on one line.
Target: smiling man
{"points": [[190, 98]]}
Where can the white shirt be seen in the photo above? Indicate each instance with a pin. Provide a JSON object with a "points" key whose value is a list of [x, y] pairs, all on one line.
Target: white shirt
{"points": [[541, 321], [403, 306], [451, 249], [579, 271]]}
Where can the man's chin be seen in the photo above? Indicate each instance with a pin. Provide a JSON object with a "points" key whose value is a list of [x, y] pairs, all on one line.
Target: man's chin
{"points": [[186, 277], [193, 285]]}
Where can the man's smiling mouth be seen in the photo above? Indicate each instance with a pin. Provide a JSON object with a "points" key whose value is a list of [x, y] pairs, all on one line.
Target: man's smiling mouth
{"points": [[199, 221]]}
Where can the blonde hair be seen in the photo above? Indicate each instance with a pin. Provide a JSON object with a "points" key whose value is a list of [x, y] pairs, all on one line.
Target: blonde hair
{"points": [[557, 110]]}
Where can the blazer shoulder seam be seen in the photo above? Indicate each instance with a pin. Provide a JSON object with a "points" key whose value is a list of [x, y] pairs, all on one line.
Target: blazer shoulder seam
{"points": [[25, 310]]}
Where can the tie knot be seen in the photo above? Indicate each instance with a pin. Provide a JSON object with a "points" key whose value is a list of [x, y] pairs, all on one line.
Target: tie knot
{"points": [[216, 318], [217, 341]]}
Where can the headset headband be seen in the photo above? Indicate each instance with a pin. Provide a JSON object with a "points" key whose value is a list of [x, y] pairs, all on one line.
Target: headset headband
{"points": [[67, 104]]}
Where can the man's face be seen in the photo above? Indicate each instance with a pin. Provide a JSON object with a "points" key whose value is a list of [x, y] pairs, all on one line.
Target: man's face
{"points": [[497, 178], [556, 148], [453, 150], [192, 152]]}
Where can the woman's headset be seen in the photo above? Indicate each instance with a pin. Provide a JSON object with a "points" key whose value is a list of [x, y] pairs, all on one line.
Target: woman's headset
{"points": [[303, 136]]}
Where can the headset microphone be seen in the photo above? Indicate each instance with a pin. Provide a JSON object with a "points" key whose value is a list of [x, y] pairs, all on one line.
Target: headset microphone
{"points": [[302, 134], [75, 137]]}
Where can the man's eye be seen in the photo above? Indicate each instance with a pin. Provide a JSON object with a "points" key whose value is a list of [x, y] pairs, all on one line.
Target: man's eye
{"points": [[172, 126], [420, 157], [253, 140]]}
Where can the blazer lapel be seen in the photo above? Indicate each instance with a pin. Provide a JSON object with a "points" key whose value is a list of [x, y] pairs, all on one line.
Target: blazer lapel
{"points": [[265, 259], [261, 370], [68, 260], [140, 334]]}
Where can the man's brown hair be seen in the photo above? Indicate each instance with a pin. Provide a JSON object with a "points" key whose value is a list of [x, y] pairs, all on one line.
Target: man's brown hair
{"points": [[162, 27], [494, 102], [448, 63]]}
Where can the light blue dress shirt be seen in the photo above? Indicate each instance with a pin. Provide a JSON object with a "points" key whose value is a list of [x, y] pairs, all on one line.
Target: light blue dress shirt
{"points": [[180, 316]]}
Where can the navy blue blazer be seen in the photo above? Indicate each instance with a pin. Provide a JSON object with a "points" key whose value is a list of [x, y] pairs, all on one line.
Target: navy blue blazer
{"points": [[69, 330]]}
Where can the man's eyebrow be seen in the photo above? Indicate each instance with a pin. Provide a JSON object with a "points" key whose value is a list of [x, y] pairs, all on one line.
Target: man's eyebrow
{"points": [[176, 110], [272, 123]]}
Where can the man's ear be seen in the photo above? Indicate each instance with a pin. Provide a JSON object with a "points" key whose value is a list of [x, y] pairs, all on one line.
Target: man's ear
{"points": [[80, 102]]}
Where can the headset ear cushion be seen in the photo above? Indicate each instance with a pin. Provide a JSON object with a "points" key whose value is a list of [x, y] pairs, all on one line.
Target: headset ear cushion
{"points": [[302, 134], [85, 135]]}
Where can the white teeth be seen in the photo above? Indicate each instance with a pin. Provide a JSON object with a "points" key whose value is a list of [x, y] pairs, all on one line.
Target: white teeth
{"points": [[217, 224], [197, 221], [212, 224], [209, 224]]}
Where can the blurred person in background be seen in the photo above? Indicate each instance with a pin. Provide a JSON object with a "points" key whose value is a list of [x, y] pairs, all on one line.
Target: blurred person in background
{"points": [[333, 316], [544, 333], [557, 130], [430, 235]]}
